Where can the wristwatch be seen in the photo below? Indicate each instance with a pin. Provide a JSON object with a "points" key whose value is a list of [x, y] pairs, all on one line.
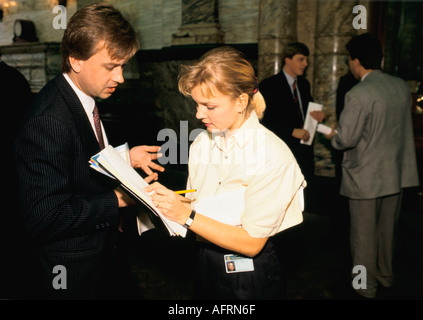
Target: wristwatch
{"points": [[190, 219]]}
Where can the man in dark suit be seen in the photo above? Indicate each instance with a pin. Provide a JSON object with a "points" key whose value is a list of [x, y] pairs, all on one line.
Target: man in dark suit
{"points": [[16, 96], [71, 212], [287, 95]]}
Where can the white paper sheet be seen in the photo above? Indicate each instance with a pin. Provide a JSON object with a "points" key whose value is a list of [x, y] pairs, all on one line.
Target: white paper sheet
{"points": [[324, 129], [226, 207], [310, 124], [133, 183]]}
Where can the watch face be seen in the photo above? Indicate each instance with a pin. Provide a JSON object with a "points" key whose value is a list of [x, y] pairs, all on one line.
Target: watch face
{"points": [[18, 28]]}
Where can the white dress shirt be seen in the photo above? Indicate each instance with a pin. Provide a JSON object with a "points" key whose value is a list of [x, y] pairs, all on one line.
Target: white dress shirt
{"points": [[256, 159], [88, 103]]}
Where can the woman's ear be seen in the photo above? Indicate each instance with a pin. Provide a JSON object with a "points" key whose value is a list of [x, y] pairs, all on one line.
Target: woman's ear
{"points": [[242, 102]]}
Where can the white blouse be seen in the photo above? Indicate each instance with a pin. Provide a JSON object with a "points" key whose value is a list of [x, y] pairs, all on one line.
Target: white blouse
{"points": [[255, 159]]}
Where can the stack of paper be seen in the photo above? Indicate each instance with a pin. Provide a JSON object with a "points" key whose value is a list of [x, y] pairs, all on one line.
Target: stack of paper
{"points": [[123, 150], [116, 164]]}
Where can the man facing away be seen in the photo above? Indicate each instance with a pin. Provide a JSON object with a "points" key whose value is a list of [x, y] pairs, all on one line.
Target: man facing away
{"points": [[71, 212], [375, 130]]}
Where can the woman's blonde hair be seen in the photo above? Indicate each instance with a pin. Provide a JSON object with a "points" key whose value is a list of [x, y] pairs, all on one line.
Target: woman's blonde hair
{"points": [[227, 70]]}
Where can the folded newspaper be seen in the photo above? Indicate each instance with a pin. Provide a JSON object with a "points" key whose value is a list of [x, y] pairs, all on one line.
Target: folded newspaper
{"points": [[115, 163]]}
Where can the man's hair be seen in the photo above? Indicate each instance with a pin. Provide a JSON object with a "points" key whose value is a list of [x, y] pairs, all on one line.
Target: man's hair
{"points": [[95, 23], [294, 48], [367, 50]]}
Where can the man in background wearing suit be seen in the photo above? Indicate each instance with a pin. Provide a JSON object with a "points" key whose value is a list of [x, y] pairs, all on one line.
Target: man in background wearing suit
{"points": [[16, 96], [70, 211], [287, 95], [375, 130]]}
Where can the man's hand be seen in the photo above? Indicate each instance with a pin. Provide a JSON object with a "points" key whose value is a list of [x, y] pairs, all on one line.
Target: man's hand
{"points": [[301, 134], [332, 133], [317, 115], [142, 156], [123, 199]]}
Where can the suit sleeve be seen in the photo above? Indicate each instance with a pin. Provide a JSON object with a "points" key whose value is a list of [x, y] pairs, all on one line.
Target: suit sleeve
{"points": [[51, 204], [352, 123]]}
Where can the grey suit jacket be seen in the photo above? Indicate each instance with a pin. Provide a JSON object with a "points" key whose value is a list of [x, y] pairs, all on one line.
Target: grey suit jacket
{"points": [[375, 129]]}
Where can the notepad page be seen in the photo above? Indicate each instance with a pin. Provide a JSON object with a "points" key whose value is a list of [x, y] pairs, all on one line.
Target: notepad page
{"points": [[110, 159]]}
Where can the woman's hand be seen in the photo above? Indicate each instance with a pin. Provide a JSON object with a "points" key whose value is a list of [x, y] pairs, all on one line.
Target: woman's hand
{"points": [[223, 235], [173, 206], [124, 200]]}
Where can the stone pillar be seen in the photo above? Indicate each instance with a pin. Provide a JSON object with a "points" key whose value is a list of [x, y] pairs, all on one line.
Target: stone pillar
{"points": [[200, 23], [277, 27], [83, 3], [333, 30]]}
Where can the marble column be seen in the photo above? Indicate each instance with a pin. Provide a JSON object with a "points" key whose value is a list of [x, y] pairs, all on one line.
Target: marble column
{"points": [[200, 23], [333, 30], [83, 3], [277, 27]]}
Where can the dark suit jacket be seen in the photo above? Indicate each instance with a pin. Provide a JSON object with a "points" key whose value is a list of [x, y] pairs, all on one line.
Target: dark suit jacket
{"points": [[16, 96], [69, 210], [281, 116]]}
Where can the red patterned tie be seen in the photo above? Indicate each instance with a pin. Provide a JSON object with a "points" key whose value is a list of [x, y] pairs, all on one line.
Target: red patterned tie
{"points": [[294, 90], [97, 125]]}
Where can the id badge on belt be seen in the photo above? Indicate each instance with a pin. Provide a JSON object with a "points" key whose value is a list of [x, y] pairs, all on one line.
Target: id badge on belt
{"points": [[238, 263]]}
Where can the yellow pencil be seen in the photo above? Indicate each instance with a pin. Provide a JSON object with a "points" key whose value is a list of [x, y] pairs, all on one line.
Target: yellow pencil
{"points": [[185, 191]]}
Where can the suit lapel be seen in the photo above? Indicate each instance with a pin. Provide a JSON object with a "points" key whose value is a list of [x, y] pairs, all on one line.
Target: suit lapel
{"points": [[303, 94], [286, 88], [82, 122], [288, 93]]}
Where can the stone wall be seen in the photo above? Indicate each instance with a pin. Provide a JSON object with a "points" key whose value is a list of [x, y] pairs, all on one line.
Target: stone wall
{"points": [[163, 26], [38, 62], [170, 33], [155, 21]]}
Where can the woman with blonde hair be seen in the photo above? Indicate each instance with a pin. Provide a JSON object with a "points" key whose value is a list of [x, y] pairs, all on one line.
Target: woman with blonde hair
{"points": [[248, 177]]}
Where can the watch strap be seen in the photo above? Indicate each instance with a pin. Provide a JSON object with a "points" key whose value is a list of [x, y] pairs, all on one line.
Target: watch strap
{"points": [[190, 219]]}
